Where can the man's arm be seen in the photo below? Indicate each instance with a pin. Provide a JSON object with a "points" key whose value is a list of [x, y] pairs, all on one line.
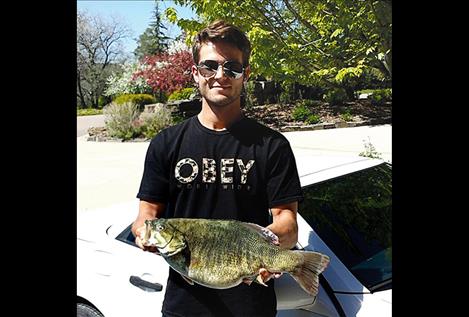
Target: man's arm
{"points": [[284, 224], [147, 210]]}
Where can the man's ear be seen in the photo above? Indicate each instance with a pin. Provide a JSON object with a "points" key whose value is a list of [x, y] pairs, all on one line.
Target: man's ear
{"points": [[247, 73], [195, 73]]}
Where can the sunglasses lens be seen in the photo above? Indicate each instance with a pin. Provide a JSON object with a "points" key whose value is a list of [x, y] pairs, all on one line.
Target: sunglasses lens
{"points": [[233, 69], [209, 68]]}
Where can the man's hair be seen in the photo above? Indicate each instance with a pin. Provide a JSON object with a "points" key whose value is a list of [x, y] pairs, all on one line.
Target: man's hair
{"points": [[220, 31]]}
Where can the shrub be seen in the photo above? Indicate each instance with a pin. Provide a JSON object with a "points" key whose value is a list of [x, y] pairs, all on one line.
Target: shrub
{"points": [[182, 94], [154, 122], [313, 119], [301, 112], [379, 97], [121, 120], [336, 96], [102, 101], [346, 115], [139, 99]]}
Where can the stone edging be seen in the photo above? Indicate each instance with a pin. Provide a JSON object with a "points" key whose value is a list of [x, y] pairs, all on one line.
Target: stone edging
{"points": [[289, 128], [342, 124]]}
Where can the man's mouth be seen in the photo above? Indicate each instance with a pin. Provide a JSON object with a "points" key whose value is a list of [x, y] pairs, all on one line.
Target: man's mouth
{"points": [[221, 87]]}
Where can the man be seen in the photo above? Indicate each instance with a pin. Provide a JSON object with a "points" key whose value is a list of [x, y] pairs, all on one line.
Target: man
{"points": [[220, 165]]}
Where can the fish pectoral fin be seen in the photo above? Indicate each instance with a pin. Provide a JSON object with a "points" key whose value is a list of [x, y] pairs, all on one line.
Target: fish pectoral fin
{"points": [[265, 233], [188, 280]]}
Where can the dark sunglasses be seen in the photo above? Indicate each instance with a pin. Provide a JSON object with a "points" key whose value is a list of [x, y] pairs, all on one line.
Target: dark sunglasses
{"points": [[209, 68]]}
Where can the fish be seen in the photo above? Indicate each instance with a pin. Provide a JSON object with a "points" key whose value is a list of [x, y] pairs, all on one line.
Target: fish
{"points": [[222, 254]]}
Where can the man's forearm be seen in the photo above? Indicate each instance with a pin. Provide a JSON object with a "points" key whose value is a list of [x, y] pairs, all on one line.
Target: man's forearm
{"points": [[284, 224], [147, 210]]}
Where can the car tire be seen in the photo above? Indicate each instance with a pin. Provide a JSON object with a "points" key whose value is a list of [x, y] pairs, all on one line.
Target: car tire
{"points": [[84, 310]]}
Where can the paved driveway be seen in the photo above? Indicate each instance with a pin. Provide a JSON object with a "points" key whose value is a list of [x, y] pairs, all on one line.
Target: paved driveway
{"points": [[86, 122]]}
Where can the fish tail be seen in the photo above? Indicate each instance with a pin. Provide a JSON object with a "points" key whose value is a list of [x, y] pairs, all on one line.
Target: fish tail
{"points": [[306, 274]]}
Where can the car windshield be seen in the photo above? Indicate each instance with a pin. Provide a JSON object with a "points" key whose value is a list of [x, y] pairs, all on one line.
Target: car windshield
{"points": [[352, 215]]}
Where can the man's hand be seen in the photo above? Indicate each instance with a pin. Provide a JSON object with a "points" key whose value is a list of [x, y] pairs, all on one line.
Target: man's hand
{"points": [[263, 277], [139, 238]]}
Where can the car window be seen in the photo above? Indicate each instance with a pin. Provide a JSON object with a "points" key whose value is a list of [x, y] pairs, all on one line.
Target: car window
{"points": [[352, 215], [126, 236]]}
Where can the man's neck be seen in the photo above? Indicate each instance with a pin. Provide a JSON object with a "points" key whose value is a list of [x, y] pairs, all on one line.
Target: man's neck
{"points": [[219, 118]]}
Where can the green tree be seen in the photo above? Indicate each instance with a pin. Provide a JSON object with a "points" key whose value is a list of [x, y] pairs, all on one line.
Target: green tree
{"points": [[327, 42], [153, 40]]}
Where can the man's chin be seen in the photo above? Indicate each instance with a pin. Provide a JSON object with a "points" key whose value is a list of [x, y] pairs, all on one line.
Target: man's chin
{"points": [[221, 101]]}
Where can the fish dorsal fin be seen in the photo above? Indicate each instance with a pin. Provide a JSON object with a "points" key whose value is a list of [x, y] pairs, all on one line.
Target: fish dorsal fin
{"points": [[265, 233], [188, 280]]}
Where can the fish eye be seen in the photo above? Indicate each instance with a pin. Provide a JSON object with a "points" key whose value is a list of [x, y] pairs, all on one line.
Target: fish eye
{"points": [[160, 227]]}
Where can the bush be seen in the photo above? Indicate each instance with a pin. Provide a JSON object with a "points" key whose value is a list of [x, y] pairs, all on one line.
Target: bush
{"points": [[154, 122], [103, 101], [183, 94], [121, 120], [139, 99], [346, 115], [336, 96], [301, 112], [313, 119], [379, 97]]}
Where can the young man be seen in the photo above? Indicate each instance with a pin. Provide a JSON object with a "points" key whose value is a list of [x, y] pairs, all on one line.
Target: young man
{"points": [[220, 165]]}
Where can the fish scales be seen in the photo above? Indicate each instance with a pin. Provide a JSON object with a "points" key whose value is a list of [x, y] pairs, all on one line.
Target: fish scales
{"points": [[221, 253]]}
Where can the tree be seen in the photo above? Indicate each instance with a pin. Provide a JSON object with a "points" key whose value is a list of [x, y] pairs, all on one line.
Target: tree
{"points": [[167, 72], [152, 41], [327, 42], [126, 82], [99, 50]]}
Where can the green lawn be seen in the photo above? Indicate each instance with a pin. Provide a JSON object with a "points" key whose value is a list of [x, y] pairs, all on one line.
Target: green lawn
{"points": [[89, 112]]}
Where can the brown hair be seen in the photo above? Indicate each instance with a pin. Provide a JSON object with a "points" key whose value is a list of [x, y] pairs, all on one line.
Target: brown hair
{"points": [[220, 31]]}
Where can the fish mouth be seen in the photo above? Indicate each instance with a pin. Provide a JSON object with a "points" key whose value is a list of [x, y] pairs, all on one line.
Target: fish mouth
{"points": [[146, 235]]}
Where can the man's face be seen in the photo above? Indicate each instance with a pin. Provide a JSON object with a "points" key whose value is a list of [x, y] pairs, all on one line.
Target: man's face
{"points": [[220, 90]]}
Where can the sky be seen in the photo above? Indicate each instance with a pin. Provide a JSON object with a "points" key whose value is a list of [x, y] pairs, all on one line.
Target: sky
{"points": [[137, 15]]}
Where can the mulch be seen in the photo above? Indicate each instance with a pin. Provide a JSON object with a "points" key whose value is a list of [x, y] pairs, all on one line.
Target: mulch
{"points": [[279, 116]]}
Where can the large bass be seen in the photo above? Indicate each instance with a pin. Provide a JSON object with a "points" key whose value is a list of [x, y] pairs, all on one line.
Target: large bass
{"points": [[223, 253]]}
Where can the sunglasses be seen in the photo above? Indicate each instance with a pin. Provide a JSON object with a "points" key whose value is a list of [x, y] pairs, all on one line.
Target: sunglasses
{"points": [[209, 68]]}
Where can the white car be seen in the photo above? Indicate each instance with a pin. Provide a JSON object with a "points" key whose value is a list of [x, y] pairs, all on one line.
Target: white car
{"points": [[346, 214]]}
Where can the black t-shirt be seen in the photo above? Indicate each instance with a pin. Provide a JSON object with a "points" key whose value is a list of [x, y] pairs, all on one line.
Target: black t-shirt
{"points": [[238, 173]]}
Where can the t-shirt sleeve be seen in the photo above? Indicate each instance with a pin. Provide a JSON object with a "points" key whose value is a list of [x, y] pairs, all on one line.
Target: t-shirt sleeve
{"points": [[154, 185], [283, 182]]}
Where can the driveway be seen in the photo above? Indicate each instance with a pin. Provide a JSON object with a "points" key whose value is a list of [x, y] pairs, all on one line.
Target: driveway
{"points": [[86, 122], [110, 172]]}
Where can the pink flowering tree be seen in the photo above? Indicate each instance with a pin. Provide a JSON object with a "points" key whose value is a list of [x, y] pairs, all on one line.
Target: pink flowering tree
{"points": [[165, 72]]}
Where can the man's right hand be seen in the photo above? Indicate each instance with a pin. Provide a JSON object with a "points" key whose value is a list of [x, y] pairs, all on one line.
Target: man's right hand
{"points": [[147, 210], [139, 238]]}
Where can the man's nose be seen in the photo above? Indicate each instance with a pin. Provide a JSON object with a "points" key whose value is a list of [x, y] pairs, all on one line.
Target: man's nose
{"points": [[220, 72]]}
